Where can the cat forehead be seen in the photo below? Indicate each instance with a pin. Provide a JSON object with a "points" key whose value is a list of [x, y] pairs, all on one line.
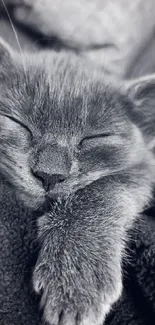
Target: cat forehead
{"points": [[59, 92]]}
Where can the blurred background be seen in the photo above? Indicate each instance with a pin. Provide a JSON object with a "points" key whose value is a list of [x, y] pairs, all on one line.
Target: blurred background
{"points": [[116, 35]]}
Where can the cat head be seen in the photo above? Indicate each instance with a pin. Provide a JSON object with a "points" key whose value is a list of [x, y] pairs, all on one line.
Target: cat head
{"points": [[63, 127]]}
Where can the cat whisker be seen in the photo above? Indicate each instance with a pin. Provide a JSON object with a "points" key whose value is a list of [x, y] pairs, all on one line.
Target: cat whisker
{"points": [[16, 37]]}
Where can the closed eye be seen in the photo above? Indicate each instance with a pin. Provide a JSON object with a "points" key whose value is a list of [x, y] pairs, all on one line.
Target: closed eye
{"points": [[18, 122], [93, 137]]}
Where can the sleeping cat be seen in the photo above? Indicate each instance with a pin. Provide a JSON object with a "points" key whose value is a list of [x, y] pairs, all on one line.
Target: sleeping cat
{"points": [[82, 150]]}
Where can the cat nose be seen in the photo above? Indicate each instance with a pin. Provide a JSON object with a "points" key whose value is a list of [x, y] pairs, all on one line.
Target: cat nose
{"points": [[49, 181]]}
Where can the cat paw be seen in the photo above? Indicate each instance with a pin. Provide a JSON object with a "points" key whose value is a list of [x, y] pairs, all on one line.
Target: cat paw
{"points": [[66, 303], [77, 283]]}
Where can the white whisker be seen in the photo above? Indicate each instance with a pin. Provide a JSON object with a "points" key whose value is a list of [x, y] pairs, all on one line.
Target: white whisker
{"points": [[16, 36]]}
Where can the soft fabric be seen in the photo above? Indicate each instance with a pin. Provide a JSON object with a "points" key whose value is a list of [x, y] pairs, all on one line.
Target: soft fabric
{"points": [[111, 33], [18, 252], [17, 256], [137, 305], [116, 35], [27, 40]]}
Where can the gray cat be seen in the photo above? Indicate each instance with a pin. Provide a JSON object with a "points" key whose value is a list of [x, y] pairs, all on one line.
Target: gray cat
{"points": [[83, 149]]}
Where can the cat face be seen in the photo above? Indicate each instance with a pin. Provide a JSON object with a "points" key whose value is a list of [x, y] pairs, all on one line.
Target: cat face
{"points": [[62, 127]]}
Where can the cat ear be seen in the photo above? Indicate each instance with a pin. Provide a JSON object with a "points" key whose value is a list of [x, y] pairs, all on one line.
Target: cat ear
{"points": [[142, 94], [6, 53]]}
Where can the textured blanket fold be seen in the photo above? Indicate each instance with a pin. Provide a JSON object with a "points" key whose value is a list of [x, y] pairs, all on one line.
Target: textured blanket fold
{"points": [[18, 303], [112, 34], [137, 304], [116, 35]]}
